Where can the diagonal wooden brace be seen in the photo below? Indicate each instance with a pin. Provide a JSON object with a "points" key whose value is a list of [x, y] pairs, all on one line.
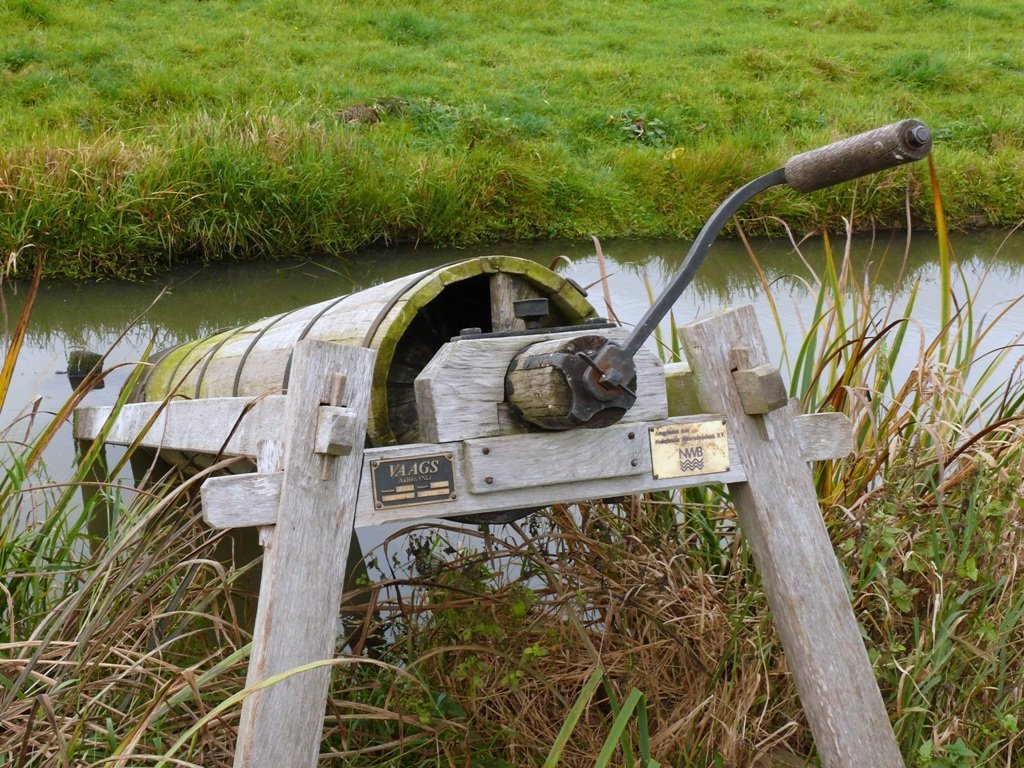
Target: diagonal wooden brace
{"points": [[779, 516]]}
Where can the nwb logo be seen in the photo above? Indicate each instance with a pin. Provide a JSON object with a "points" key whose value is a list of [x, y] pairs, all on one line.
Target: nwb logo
{"points": [[691, 459]]}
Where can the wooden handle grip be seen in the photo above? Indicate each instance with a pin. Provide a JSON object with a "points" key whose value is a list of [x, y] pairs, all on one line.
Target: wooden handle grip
{"points": [[885, 147]]}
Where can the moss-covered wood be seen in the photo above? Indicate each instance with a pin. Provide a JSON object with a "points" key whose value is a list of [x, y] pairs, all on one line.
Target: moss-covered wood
{"points": [[406, 320]]}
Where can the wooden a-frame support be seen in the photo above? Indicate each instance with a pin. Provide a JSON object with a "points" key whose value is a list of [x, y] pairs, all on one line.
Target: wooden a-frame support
{"points": [[308, 487]]}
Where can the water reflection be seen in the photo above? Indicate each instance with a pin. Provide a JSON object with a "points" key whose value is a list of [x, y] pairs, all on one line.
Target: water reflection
{"points": [[196, 301]]}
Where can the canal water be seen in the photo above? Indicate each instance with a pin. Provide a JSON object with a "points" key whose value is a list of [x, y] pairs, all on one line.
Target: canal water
{"points": [[123, 319]]}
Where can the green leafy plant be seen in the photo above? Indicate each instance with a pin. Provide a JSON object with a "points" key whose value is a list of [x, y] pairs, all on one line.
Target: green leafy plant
{"points": [[636, 126]]}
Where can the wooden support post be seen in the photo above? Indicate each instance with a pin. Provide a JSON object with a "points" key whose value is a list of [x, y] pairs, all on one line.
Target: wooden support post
{"points": [[806, 589], [304, 562], [92, 494]]}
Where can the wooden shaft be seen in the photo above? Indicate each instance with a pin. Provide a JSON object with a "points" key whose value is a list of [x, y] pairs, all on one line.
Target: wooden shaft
{"points": [[506, 290], [544, 386], [805, 585]]}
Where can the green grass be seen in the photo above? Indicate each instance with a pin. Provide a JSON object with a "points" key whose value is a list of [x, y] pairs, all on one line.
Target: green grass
{"points": [[137, 134]]}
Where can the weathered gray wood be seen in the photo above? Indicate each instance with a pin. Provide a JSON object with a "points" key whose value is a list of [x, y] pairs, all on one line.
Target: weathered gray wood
{"points": [[563, 478], [337, 430], [304, 566], [761, 389], [200, 426], [506, 290], [509, 423], [233, 426], [824, 436], [269, 459], [264, 364], [805, 586], [237, 501], [885, 147], [460, 390], [545, 459]]}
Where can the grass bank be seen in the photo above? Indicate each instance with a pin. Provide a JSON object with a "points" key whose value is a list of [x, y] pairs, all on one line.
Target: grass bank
{"points": [[138, 134]]}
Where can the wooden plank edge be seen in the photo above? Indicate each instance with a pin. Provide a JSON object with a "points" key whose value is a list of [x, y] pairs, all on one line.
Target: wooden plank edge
{"points": [[825, 436], [228, 425]]}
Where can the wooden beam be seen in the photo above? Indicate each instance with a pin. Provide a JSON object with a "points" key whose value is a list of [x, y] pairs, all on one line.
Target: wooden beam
{"points": [[806, 588], [304, 564], [547, 475], [824, 436], [233, 426], [506, 290], [234, 501]]}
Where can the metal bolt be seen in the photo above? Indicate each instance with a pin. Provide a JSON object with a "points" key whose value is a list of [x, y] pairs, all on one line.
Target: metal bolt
{"points": [[919, 136], [489, 480], [485, 451], [631, 435], [633, 463]]}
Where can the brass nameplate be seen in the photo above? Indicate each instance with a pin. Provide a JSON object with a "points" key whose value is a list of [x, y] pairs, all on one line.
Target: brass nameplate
{"points": [[684, 450], [413, 480]]}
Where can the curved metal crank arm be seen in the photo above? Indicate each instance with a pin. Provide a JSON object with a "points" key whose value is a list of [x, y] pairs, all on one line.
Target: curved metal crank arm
{"points": [[886, 147], [696, 255]]}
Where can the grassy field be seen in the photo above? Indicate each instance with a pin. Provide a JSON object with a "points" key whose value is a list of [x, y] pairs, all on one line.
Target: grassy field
{"points": [[136, 134]]}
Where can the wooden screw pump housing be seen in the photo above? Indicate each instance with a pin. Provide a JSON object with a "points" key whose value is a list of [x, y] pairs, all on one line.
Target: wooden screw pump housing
{"points": [[380, 417]]}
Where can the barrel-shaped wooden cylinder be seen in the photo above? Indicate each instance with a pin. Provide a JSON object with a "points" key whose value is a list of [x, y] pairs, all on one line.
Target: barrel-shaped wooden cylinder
{"points": [[406, 320]]}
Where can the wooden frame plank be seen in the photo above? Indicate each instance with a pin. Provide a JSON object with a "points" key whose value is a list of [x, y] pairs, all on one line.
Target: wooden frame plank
{"points": [[240, 500], [233, 426], [199, 426], [304, 563], [779, 517]]}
